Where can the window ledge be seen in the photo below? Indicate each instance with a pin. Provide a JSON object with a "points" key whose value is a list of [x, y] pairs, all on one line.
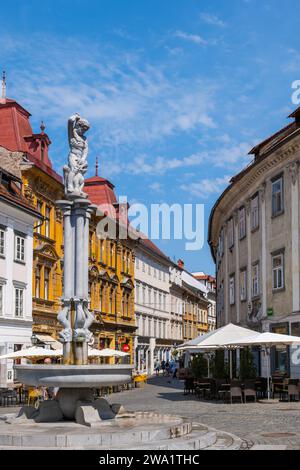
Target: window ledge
{"points": [[19, 261], [280, 289], [273, 216]]}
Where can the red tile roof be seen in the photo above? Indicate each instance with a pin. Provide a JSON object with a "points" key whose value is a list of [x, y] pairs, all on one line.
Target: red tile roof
{"points": [[100, 190], [16, 135]]}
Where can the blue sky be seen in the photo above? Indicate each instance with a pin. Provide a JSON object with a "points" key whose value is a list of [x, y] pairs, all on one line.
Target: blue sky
{"points": [[177, 92]]}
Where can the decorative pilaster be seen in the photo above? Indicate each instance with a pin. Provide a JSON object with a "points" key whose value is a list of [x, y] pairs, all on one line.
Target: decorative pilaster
{"points": [[262, 199], [237, 265], [226, 277], [249, 253], [294, 176]]}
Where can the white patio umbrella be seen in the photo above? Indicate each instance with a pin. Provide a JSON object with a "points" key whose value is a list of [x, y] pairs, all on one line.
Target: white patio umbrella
{"points": [[42, 352], [107, 352], [266, 340], [218, 339], [33, 351]]}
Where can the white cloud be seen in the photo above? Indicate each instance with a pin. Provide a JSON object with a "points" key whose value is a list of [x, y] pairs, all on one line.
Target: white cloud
{"points": [[212, 19], [129, 102], [195, 38], [206, 187], [157, 187]]}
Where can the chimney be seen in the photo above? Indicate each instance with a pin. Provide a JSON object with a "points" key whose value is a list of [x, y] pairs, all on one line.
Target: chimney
{"points": [[3, 93]]}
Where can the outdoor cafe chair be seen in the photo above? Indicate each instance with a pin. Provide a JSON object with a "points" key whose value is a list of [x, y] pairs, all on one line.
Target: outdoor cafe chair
{"points": [[235, 391], [249, 390], [8, 397], [189, 386], [293, 389], [261, 386]]}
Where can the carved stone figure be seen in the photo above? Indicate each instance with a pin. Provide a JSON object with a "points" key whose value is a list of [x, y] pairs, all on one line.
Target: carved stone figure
{"points": [[77, 159], [64, 318], [83, 321]]}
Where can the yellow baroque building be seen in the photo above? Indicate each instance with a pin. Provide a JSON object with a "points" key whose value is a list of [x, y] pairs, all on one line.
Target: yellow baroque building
{"points": [[111, 277]]}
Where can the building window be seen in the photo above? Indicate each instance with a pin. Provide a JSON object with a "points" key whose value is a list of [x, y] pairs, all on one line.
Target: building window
{"points": [[46, 283], [37, 282], [155, 299], [47, 221], [277, 196], [231, 290], [39, 208], [277, 272], [137, 263], [230, 233], [254, 212], [19, 302], [243, 285], [101, 299], [2, 242], [144, 295], [242, 222], [110, 309], [1, 299], [255, 280], [111, 254], [19, 248], [221, 244]]}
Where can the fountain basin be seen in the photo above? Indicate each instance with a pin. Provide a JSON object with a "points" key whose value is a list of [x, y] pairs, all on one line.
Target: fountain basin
{"points": [[74, 376]]}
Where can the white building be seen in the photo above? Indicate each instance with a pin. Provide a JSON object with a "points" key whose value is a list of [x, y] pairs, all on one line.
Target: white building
{"points": [[155, 330], [210, 282], [17, 219]]}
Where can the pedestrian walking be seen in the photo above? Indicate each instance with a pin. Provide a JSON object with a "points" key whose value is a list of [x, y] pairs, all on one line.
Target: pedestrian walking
{"points": [[157, 366], [168, 368], [163, 366]]}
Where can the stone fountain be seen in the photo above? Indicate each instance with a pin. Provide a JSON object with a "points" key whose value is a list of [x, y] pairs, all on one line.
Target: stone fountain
{"points": [[75, 377]]}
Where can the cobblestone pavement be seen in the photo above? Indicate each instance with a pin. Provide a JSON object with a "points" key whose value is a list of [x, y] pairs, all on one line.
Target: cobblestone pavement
{"points": [[275, 423]]}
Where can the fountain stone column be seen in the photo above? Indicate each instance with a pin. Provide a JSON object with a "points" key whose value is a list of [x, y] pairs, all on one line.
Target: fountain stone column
{"points": [[75, 316], [75, 377]]}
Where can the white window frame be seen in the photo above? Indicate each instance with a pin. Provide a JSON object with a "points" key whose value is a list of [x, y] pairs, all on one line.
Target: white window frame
{"points": [[47, 221], [242, 222], [2, 298], [2, 242], [20, 248], [277, 195], [243, 285], [255, 280], [232, 289], [230, 233], [19, 302], [278, 272], [254, 212]]}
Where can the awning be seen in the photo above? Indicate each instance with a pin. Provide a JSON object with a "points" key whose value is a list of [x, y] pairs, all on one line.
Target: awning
{"points": [[49, 340]]}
